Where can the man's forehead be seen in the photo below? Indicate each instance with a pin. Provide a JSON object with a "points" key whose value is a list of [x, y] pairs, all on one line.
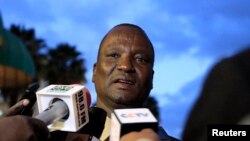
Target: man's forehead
{"points": [[126, 34], [125, 29]]}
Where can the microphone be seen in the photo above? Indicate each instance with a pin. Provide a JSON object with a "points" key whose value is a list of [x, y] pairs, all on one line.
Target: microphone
{"points": [[63, 107], [57, 110], [29, 94], [97, 119], [124, 121]]}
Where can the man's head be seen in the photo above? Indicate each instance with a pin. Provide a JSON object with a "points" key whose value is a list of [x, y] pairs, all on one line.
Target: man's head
{"points": [[123, 73]]}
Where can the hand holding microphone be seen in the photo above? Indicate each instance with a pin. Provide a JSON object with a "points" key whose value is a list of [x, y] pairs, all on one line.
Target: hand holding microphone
{"points": [[25, 104], [16, 127], [66, 108], [22, 128], [57, 103], [13, 110]]}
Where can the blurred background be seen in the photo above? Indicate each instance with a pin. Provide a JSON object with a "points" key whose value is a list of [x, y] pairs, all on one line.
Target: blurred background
{"points": [[57, 41]]}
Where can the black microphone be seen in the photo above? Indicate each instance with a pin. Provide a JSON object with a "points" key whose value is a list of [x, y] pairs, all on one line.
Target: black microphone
{"points": [[95, 126], [29, 94], [124, 121], [63, 107]]}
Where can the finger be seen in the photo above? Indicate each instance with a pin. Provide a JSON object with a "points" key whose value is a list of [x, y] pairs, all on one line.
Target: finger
{"points": [[144, 135], [16, 108], [129, 136], [40, 128], [148, 133]]}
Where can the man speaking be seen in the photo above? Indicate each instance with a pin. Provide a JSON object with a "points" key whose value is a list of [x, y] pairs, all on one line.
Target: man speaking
{"points": [[123, 72]]}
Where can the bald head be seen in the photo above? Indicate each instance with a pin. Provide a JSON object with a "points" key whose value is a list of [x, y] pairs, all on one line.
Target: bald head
{"points": [[126, 30]]}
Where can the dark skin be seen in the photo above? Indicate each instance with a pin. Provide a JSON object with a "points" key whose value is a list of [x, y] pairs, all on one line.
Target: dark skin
{"points": [[146, 134], [21, 128], [123, 73], [15, 108]]}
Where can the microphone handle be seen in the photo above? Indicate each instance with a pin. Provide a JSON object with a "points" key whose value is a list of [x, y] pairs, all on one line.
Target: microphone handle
{"points": [[54, 112]]}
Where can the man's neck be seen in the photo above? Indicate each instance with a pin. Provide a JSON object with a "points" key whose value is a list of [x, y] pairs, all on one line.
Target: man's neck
{"points": [[109, 110]]}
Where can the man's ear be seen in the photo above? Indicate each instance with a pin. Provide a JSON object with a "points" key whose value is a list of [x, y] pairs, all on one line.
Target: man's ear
{"points": [[94, 73], [152, 79]]}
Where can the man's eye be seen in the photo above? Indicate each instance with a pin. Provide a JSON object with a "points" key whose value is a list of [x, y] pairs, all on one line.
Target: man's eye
{"points": [[114, 55], [141, 60]]}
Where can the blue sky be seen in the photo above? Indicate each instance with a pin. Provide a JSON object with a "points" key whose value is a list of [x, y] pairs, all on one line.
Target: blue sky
{"points": [[188, 36]]}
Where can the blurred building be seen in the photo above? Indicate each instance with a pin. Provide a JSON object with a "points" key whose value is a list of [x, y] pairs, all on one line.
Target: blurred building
{"points": [[17, 68]]}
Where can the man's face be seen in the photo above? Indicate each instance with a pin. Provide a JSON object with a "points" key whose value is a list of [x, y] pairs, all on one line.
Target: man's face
{"points": [[123, 73]]}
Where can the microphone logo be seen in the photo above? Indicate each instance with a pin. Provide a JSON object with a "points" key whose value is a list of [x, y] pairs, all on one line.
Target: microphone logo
{"points": [[80, 108], [60, 88], [134, 115]]}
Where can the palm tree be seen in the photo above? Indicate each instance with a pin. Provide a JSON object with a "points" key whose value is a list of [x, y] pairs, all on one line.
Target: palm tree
{"points": [[36, 46], [65, 65]]}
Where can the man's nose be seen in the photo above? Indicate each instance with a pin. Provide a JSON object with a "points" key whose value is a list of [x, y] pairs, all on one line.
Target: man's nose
{"points": [[125, 64]]}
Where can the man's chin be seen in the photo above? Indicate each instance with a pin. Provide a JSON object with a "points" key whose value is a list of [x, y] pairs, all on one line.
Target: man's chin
{"points": [[125, 103]]}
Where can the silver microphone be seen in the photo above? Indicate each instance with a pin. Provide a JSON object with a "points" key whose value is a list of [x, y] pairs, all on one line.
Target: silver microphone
{"points": [[57, 110]]}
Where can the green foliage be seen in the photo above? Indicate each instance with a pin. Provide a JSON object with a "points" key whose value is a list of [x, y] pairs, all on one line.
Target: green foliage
{"points": [[60, 65], [65, 65]]}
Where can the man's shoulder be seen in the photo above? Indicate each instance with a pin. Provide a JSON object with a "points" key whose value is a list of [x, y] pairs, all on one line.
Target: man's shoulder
{"points": [[164, 136]]}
